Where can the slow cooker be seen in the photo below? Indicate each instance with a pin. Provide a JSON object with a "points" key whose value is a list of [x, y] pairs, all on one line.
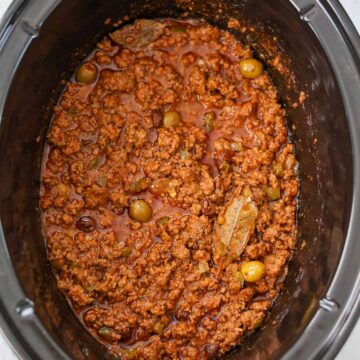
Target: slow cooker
{"points": [[42, 42]]}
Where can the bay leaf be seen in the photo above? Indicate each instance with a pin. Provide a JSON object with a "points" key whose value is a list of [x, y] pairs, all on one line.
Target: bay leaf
{"points": [[231, 237], [139, 34]]}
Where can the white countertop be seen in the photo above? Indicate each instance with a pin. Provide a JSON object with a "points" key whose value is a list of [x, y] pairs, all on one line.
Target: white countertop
{"points": [[352, 345]]}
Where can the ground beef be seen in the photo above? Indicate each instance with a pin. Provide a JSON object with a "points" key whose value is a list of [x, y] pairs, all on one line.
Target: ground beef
{"points": [[152, 290]]}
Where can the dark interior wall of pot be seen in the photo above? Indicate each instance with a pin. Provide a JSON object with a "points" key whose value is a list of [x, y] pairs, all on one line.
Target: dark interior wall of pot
{"points": [[319, 130]]}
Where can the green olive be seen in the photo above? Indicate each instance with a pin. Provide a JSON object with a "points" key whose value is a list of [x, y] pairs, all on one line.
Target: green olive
{"points": [[140, 210], [209, 120], [171, 119], [251, 68], [253, 271], [272, 193], [86, 73]]}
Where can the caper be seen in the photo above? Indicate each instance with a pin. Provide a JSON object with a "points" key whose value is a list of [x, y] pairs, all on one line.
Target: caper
{"points": [[253, 271], [251, 68], [86, 73], [140, 210], [209, 120], [171, 119], [86, 224], [272, 193]]}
